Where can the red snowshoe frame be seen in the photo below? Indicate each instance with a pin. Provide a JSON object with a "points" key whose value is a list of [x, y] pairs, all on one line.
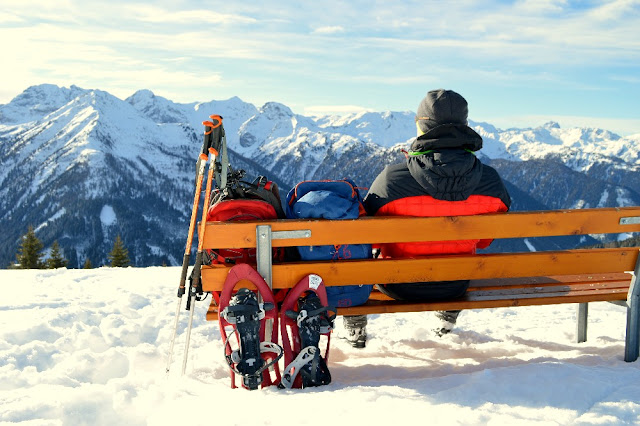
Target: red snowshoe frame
{"points": [[289, 332], [237, 274]]}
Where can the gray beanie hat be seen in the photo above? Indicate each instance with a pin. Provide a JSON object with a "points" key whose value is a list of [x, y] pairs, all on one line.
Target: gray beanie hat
{"points": [[441, 107]]}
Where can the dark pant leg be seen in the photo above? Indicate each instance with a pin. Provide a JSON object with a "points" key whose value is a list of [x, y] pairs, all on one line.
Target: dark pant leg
{"points": [[426, 292]]}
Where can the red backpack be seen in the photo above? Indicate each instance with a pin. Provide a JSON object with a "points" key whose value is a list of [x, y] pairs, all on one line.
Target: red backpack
{"points": [[244, 201]]}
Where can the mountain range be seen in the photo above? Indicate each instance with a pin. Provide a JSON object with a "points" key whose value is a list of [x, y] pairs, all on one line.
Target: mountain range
{"points": [[82, 166]]}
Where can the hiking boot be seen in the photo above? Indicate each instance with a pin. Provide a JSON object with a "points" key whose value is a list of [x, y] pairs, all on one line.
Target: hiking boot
{"points": [[356, 328], [447, 322]]}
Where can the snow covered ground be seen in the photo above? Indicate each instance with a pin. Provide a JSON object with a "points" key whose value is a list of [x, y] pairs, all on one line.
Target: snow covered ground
{"points": [[89, 347]]}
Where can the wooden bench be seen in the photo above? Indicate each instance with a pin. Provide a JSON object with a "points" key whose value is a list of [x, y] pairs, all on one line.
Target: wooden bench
{"points": [[498, 279]]}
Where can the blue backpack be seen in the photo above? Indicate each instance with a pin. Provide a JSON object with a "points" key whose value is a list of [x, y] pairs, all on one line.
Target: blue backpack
{"points": [[331, 199]]}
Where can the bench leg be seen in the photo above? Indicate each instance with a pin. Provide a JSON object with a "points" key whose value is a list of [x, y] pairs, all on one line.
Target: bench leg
{"points": [[631, 347], [581, 329], [632, 341]]}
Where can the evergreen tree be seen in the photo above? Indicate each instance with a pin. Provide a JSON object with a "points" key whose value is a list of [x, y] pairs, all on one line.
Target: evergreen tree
{"points": [[29, 254], [119, 256], [56, 258], [72, 255], [87, 264]]}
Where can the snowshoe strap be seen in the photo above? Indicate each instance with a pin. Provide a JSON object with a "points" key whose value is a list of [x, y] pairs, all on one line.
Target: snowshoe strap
{"points": [[265, 347], [291, 371], [252, 380], [235, 314], [310, 365], [326, 323]]}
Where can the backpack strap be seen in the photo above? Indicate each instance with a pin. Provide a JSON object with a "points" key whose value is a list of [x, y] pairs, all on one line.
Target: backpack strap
{"points": [[224, 163], [266, 190]]}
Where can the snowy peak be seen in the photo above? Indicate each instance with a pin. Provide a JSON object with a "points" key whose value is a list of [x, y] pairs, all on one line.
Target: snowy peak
{"points": [[234, 111], [579, 146], [273, 122], [85, 131], [191, 116], [36, 102], [381, 128], [102, 121], [276, 111], [158, 109], [231, 109]]}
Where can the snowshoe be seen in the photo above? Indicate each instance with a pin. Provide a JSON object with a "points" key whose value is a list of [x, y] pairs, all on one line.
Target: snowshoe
{"points": [[249, 329], [306, 317]]}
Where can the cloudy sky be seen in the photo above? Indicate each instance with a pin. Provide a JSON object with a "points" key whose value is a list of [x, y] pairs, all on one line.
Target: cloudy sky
{"points": [[518, 63]]}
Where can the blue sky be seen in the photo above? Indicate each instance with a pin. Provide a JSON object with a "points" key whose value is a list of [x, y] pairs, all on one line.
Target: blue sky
{"points": [[518, 63]]}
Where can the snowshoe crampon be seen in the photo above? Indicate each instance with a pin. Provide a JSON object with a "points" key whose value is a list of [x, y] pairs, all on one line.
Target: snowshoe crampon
{"points": [[249, 329], [307, 321]]}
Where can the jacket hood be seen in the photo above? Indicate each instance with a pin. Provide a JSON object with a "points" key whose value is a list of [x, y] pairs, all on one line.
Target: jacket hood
{"points": [[448, 136], [446, 174]]}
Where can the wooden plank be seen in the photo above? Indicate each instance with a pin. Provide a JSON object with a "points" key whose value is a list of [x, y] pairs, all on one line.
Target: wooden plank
{"points": [[411, 229], [612, 279], [548, 291], [481, 300], [444, 268], [380, 307], [591, 281], [552, 279]]}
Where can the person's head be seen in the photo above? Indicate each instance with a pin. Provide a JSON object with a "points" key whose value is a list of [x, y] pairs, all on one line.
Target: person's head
{"points": [[441, 107]]}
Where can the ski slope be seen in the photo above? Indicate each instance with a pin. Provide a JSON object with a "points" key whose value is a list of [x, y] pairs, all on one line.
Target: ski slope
{"points": [[80, 347]]}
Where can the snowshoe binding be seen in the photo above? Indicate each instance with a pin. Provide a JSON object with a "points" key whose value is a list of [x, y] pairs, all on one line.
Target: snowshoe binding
{"points": [[306, 318], [250, 349]]}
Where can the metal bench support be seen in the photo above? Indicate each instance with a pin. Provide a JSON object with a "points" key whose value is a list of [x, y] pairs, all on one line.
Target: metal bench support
{"points": [[264, 255], [581, 329], [632, 343], [264, 246]]}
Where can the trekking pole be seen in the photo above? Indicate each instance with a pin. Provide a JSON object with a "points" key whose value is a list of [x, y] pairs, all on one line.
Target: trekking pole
{"points": [[217, 137], [201, 164]]}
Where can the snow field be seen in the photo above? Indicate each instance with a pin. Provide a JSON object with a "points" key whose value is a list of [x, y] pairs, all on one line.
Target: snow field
{"points": [[90, 347]]}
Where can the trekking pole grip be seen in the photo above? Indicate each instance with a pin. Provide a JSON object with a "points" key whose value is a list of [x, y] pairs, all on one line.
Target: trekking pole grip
{"points": [[208, 140], [217, 132]]}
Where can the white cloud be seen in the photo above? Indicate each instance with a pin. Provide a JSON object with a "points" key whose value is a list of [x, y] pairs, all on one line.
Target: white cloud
{"points": [[147, 13], [9, 18], [327, 53], [542, 6], [614, 10], [335, 29], [633, 79]]}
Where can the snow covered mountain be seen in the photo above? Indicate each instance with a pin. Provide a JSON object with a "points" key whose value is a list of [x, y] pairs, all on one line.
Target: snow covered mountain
{"points": [[88, 170], [82, 166]]}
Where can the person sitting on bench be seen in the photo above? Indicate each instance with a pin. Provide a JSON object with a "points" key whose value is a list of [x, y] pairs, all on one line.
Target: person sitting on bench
{"points": [[440, 177]]}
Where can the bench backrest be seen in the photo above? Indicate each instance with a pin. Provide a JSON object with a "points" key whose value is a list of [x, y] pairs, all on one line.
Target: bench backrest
{"points": [[371, 230]]}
